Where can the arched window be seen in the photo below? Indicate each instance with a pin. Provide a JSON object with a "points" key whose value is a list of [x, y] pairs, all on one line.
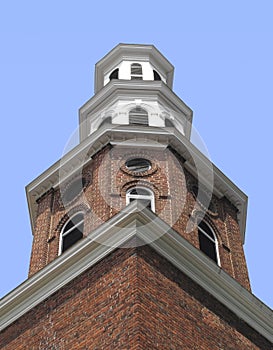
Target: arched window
{"points": [[114, 74], [142, 194], [71, 233], [106, 121], [138, 116], [136, 71], [156, 75], [207, 241], [169, 123]]}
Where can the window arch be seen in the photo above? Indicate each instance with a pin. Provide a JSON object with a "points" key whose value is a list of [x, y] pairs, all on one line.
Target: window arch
{"points": [[143, 194], [208, 242], [156, 75], [106, 121], [72, 232], [114, 74], [169, 123], [136, 71], [138, 116]]}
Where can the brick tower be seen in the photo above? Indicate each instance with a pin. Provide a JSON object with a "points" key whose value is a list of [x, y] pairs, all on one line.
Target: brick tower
{"points": [[137, 236]]}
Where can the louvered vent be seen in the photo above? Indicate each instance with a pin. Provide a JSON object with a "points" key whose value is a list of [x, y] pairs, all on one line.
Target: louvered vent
{"points": [[136, 71], [138, 116]]}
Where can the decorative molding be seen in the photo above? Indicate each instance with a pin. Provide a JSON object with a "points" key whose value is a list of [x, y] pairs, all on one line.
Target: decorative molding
{"points": [[146, 53], [136, 221], [117, 91], [151, 137]]}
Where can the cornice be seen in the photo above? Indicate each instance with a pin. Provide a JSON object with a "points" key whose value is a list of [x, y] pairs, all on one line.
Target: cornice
{"points": [[137, 52], [139, 222], [114, 134], [117, 90], [132, 87]]}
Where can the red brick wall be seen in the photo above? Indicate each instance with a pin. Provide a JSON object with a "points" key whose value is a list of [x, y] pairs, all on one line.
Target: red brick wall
{"points": [[97, 310], [179, 314], [133, 299], [105, 195], [42, 228]]}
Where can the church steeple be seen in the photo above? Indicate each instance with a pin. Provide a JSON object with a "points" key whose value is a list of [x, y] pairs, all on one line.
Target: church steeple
{"points": [[137, 237], [134, 77], [135, 144], [133, 62]]}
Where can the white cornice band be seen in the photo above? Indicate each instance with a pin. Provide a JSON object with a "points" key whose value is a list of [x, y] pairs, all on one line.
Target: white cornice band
{"points": [[135, 221], [114, 134]]}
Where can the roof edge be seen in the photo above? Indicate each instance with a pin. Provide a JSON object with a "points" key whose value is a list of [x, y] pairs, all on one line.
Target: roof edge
{"points": [[136, 221]]}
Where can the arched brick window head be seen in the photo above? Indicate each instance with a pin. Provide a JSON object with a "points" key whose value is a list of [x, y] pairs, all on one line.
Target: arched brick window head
{"points": [[72, 232], [208, 242], [142, 194]]}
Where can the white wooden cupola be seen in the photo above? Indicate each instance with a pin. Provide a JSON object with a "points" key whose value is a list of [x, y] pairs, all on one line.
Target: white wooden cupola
{"points": [[133, 62], [133, 88]]}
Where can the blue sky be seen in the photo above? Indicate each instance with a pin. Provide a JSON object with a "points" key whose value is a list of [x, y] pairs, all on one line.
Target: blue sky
{"points": [[223, 54]]}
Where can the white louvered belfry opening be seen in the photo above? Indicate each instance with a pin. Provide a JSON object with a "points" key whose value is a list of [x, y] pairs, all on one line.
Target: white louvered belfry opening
{"points": [[138, 116], [136, 71]]}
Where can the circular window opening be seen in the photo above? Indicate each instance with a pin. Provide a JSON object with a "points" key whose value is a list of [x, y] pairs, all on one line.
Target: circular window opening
{"points": [[138, 165], [74, 189]]}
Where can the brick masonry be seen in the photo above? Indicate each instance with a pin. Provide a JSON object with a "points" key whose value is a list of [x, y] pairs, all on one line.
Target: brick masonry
{"points": [[133, 299], [104, 195]]}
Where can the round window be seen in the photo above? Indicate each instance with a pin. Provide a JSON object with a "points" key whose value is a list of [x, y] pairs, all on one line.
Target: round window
{"points": [[138, 165]]}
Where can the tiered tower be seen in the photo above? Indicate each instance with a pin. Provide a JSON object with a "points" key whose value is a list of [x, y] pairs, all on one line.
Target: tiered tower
{"points": [[137, 236]]}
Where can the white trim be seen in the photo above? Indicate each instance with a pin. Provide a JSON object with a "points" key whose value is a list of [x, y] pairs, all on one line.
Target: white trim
{"points": [[147, 91], [133, 52], [132, 116], [144, 224], [214, 241], [134, 65], [149, 197], [62, 234], [140, 136]]}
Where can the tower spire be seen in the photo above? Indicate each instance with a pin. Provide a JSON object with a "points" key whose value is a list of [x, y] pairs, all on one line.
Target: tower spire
{"points": [[137, 237]]}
